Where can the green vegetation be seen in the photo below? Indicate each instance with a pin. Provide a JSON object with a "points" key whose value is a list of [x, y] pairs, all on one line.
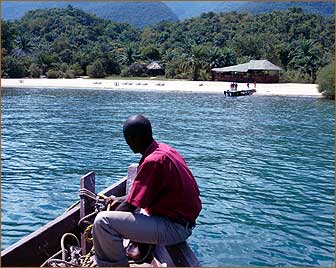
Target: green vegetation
{"points": [[96, 70], [326, 81], [12, 67], [69, 42], [149, 13]]}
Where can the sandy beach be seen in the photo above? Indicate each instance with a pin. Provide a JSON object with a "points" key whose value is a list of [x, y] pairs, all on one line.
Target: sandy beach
{"points": [[285, 89]]}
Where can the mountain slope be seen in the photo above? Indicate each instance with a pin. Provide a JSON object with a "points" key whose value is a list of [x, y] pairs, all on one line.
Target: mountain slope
{"points": [[191, 9], [139, 14]]}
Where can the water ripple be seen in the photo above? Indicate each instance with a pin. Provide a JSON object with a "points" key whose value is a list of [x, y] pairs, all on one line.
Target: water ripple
{"points": [[265, 166]]}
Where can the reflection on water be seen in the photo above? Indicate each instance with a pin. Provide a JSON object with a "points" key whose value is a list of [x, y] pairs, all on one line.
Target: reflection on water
{"points": [[265, 165]]}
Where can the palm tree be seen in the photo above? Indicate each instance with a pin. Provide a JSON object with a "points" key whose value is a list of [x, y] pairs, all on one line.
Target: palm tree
{"points": [[184, 64], [23, 47], [306, 57], [214, 59], [229, 56], [196, 60], [129, 56]]}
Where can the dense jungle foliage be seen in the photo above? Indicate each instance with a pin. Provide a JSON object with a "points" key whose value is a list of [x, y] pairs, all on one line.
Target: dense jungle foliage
{"points": [[68, 42], [326, 81]]}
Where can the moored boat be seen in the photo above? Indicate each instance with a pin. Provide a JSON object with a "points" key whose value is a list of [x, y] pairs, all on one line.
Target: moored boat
{"points": [[237, 93], [36, 248]]}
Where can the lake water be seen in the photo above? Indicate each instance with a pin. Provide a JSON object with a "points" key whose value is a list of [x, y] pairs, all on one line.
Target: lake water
{"points": [[264, 165]]}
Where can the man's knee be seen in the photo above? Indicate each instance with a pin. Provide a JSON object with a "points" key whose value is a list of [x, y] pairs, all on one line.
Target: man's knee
{"points": [[104, 220], [100, 219], [110, 219]]}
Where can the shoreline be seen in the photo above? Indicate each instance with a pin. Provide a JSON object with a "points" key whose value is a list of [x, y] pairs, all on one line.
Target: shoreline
{"points": [[279, 89]]}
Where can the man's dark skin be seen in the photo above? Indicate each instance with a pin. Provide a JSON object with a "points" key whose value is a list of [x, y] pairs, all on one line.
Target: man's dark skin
{"points": [[138, 135]]}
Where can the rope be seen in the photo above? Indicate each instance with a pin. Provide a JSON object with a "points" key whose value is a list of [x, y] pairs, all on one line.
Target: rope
{"points": [[87, 233], [86, 193], [86, 217], [88, 256], [63, 246], [57, 261], [88, 230], [52, 257], [99, 198], [82, 192], [102, 196]]}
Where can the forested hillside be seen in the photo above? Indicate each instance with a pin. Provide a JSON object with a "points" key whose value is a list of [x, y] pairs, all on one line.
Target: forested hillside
{"points": [[135, 13], [69, 42], [191, 9], [148, 13]]}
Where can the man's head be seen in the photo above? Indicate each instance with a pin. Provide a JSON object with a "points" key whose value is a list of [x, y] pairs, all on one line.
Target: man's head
{"points": [[138, 133]]}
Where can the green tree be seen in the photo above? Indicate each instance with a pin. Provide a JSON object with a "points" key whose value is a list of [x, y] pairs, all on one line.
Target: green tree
{"points": [[12, 67], [150, 53], [306, 58], [326, 81], [249, 45], [283, 52], [77, 70], [214, 59], [137, 69], [229, 56], [23, 46], [196, 61], [69, 74], [34, 70], [8, 35], [129, 55], [53, 74], [96, 70], [46, 60], [110, 63]]}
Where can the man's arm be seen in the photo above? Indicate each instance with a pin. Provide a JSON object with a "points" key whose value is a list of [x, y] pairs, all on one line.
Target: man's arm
{"points": [[124, 206], [118, 203]]}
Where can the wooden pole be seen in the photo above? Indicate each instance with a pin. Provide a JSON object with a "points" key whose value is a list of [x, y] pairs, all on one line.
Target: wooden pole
{"points": [[86, 205]]}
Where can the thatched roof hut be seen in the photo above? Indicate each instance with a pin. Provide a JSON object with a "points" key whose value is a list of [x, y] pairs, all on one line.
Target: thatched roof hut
{"points": [[261, 65], [155, 68], [255, 70], [240, 68]]}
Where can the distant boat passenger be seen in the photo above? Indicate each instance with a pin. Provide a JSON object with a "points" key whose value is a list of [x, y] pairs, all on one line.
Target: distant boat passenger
{"points": [[248, 85], [255, 84]]}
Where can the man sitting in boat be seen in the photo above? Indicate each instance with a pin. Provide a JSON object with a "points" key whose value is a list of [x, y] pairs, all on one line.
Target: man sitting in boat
{"points": [[164, 186]]}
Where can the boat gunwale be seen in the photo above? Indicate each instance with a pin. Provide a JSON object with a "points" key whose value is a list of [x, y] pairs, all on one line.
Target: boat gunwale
{"points": [[174, 255]]}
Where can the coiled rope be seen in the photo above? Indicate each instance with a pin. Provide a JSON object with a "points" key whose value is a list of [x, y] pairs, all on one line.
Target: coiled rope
{"points": [[79, 261]]}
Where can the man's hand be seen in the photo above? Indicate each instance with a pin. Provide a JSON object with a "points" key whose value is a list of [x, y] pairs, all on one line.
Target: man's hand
{"points": [[118, 203], [114, 201]]}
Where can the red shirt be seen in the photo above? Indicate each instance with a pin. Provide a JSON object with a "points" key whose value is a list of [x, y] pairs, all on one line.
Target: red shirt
{"points": [[164, 185]]}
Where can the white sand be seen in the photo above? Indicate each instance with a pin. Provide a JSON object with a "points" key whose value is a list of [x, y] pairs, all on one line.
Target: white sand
{"points": [[289, 89]]}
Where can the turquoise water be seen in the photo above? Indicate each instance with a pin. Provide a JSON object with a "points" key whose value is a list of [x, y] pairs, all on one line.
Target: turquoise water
{"points": [[264, 165]]}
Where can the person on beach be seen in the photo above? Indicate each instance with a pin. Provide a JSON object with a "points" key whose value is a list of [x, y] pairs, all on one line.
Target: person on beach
{"points": [[164, 186]]}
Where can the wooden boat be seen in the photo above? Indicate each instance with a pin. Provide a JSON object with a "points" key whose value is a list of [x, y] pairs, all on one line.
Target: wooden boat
{"points": [[237, 93], [34, 249]]}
